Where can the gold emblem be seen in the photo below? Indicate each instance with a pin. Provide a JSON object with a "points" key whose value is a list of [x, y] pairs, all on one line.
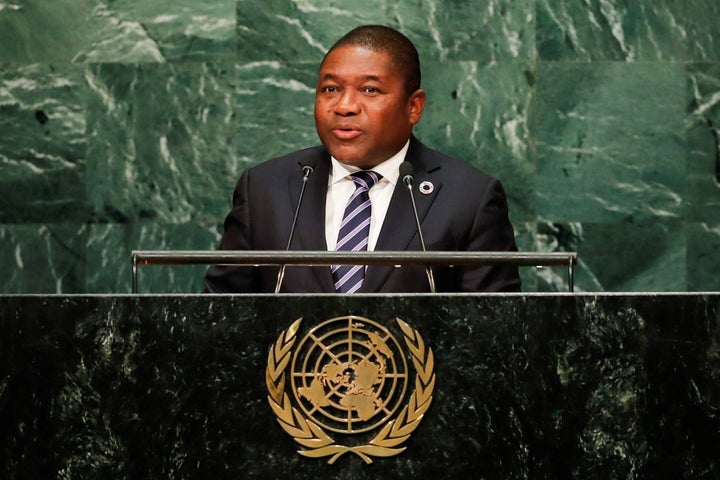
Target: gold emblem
{"points": [[349, 376]]}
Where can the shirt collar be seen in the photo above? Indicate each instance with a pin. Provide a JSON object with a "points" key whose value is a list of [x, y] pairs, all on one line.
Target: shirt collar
{"points": [[389, 169]]}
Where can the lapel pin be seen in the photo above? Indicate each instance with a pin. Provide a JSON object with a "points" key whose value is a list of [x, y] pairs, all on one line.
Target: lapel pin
{"points": [[426, 188]]}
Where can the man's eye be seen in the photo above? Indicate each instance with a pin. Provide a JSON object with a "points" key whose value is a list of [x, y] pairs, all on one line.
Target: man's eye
{"points": [[330, 89], [370, 90]]}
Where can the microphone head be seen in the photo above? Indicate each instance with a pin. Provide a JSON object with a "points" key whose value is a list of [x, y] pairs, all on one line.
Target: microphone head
{"points": [[406, 171], [308, 164]]}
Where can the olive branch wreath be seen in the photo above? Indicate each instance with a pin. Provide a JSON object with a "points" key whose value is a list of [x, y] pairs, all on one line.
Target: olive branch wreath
{"points": [[311, 436]]}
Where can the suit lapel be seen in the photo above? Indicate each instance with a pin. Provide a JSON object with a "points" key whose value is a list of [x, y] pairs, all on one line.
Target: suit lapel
{"points": [[399, 227]]}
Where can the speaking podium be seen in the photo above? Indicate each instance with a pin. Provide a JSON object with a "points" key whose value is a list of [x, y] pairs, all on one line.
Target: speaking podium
{"points": [[565, 385]]}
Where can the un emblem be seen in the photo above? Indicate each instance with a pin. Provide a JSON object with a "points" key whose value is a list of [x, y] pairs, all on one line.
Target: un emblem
{"points": [[349, 376]]}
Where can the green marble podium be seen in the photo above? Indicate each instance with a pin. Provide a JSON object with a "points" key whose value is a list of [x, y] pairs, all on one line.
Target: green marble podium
{"points": [[527, 386]]}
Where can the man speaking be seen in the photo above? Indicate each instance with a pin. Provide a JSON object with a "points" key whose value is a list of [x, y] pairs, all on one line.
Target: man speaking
{"points": [[368, 99]]}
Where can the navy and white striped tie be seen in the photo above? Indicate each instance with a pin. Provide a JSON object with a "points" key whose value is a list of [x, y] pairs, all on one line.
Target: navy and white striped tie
{"points": [[354, 232]]}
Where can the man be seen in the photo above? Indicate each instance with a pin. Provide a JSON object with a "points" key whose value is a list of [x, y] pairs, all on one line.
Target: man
{"points": [[368, 99]]}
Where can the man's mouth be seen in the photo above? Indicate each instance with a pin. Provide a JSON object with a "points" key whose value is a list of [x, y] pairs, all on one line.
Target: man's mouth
{"points": [[344, 132]]}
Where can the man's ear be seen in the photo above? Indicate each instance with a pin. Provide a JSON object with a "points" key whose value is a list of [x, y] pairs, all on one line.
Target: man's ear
{"points": [[416, 105]]}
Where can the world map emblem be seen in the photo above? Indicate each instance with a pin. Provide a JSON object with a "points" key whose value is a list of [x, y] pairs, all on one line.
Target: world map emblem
{"points": [[353, 386]]}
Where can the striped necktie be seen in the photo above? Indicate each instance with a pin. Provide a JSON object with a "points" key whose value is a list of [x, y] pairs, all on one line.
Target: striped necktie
{"points": [[354, 232]]}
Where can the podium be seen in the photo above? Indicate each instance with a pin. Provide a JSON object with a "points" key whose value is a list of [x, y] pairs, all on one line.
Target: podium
{"points": [[526, 386]]}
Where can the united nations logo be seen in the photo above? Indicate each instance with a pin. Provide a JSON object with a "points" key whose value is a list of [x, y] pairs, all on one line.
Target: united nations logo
{"points": [[349, 376]]}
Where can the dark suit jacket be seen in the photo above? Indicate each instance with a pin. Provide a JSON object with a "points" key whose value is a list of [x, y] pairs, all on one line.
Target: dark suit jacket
{"points": [[467, 211]]}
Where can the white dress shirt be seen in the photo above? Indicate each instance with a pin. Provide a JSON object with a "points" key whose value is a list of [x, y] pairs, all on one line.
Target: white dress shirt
{"points": [[341, 187]]}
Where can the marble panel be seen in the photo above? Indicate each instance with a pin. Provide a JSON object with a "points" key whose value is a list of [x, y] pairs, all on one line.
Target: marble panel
{"points": [[703, 138], [486, 31], [159, 31], [615, 258], [274, 105], [43, 146], [598, 30], [701, 24], [703, 257], [551, 237], [42, 258], [610, 148], [633, 257], [527, 241], [34, 31], [291, 31], [482, 115], [161, 141], [495, 30], [109, 248]]}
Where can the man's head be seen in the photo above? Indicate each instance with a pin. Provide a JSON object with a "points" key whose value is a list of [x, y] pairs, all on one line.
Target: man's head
{"points": [[379, 38], [368, 95]]}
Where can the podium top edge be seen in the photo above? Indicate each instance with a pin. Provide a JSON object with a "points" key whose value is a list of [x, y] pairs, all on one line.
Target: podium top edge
{"points": [[389, 258]]}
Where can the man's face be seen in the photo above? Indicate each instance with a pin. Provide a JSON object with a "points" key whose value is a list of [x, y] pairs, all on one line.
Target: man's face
{"points": [[363, 115]]}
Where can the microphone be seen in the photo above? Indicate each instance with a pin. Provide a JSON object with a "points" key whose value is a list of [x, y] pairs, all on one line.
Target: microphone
{"points": [[406, 171], [308, 166]]}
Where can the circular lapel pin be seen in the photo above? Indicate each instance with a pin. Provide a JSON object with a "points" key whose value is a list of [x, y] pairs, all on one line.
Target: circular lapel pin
{"points": [[426, 188]]}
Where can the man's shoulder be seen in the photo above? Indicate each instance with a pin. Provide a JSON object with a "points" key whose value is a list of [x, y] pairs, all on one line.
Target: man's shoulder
{"points": [[435, 160]]}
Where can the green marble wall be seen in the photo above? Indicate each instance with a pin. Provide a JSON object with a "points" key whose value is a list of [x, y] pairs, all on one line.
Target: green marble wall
{"points": [[124, 125]]}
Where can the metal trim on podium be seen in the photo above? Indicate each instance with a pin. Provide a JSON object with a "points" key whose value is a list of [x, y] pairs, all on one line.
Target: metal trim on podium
{"points": [[319, 258]]}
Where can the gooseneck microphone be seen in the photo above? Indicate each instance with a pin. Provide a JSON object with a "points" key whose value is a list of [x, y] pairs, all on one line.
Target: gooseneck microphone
{"points": [[406, 174], [308, 166]]}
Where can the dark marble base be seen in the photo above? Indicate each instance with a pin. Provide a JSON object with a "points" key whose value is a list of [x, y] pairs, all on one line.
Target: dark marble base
{"points": [[528, 386]]}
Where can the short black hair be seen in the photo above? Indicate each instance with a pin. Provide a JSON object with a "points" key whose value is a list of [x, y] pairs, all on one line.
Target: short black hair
{"points": [[380, 38]]}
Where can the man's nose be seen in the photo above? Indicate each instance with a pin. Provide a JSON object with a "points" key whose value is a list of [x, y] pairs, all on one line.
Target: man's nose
{"points": [[347, 104]]}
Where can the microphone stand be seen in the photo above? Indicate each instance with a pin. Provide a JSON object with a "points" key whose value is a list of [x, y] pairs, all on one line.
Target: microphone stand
{"points": [[307, 170], [406, 172]]}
